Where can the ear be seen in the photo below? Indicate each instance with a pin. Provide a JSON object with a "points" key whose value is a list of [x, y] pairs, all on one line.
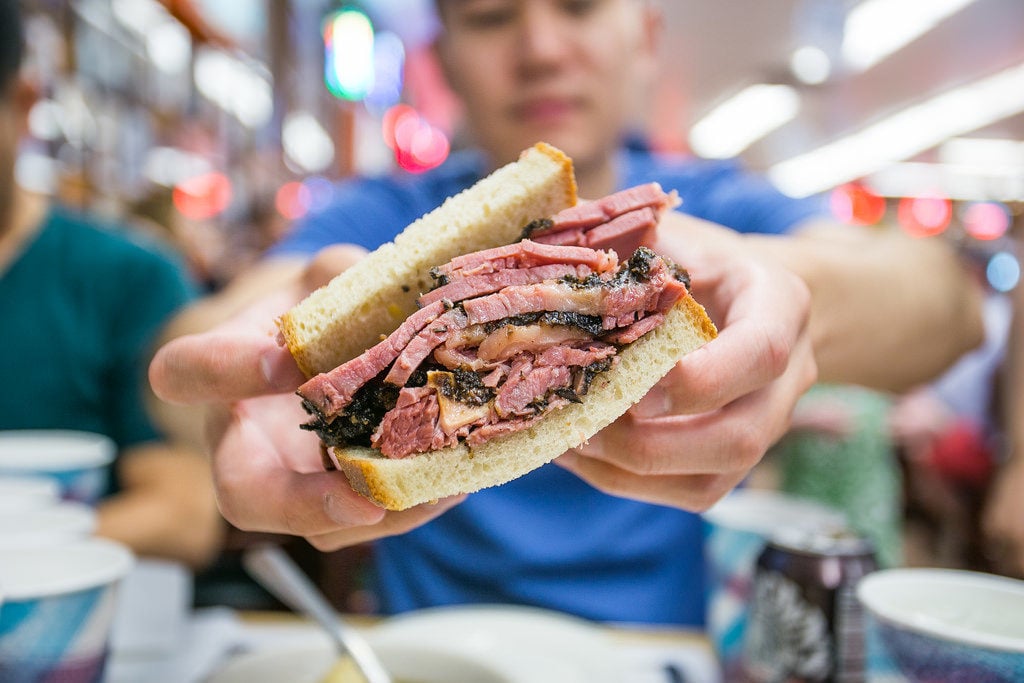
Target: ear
{"points": [[651, 27], [24, 93]]}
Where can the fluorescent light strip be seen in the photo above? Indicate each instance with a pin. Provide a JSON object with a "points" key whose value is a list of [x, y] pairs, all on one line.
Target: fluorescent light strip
{"points": [[743, 119], [902, 135], [875, 29], [960, 182]]}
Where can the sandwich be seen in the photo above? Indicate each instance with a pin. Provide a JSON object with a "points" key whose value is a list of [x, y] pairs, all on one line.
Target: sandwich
{"points": [[495, 333]]}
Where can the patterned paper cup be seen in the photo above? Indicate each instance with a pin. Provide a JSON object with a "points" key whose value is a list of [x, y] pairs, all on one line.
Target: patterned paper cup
{"points": [[54, 525], [943, 626], [77, 461], [736, 531], [24, 494], [58, 609]]}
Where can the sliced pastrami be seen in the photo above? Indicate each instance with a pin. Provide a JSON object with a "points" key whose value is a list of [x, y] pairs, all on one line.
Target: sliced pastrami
{"points": [[471, 286], [585, 217], [330, 392], [412, 425], [526, 385], [630, 333], [523, 254], [429, 338]]}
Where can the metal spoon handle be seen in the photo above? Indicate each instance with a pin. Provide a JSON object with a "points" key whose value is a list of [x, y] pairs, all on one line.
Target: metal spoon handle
{"points": [[276, 572]]}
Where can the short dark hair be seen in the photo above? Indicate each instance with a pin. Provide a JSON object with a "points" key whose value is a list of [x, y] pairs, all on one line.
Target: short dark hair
{"points": [[12, 41]]}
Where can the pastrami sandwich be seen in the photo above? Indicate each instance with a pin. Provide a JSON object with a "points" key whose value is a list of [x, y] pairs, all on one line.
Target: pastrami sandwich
{"points": [[494, 334]]}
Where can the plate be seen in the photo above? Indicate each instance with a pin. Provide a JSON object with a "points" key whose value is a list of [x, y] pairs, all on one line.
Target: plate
{"points": [[475, 644]]}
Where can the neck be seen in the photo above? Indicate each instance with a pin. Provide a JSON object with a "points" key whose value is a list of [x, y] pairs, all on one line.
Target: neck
{"points": [[596, 179], [23, 220]]}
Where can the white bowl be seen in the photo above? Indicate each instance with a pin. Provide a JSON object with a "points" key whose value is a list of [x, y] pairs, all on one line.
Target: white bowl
{"points": [[77, 461], [944, 624], [21, 493], [53, 525]]}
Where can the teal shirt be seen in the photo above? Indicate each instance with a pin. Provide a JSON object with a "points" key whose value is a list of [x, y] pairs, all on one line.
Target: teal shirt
{"points": [[79, 308]]}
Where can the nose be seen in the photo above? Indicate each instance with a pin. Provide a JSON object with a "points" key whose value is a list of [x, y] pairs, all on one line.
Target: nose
{"points": [[543, 38]]}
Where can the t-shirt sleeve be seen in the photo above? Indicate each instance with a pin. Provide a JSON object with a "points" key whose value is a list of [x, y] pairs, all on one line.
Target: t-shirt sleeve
{"points": [[153, 286]]}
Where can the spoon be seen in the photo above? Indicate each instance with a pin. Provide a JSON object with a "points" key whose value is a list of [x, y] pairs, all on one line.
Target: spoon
{"points": [[276, 572]]}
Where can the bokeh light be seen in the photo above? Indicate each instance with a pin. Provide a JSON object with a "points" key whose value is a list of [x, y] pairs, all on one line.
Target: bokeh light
{"points": [[856, 204], [418, 144], [1003, 271], [349, 54], [292, 200], [925, 216], [203, 196], [986, 220]]}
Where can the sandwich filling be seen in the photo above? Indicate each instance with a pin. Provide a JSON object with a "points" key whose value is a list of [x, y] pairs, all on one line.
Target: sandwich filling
{"points": [[506, 336]]}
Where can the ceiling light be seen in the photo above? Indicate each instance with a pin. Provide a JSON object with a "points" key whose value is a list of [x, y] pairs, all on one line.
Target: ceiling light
{"points": [[743, 119], [903, 135], [875, 29]]}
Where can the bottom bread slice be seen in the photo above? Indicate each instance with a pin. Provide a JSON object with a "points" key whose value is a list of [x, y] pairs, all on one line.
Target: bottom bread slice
{"points": [[397, 484]]}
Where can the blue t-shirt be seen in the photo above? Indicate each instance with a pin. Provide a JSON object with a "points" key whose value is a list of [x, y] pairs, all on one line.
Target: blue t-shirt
{"points": [[549, 538]]}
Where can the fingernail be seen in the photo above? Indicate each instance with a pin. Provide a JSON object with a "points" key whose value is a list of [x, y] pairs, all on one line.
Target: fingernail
{"points": [[346, 511], [655, 404], [279, 370]]}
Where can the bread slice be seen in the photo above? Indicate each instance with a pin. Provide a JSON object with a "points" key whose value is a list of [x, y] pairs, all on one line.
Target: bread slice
{"points": [[402, 483], [342, 319]]}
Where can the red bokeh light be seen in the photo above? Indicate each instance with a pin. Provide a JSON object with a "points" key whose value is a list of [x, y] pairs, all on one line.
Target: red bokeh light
{"points": [[203, 196], [418, 144], [856, 204], [293, 200], [986, 220], [925, 216]]}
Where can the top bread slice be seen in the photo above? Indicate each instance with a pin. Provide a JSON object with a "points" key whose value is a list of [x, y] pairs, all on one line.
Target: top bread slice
{"points": [[348, 315]]}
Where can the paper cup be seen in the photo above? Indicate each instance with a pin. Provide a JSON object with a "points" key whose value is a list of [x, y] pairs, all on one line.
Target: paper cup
{"points": [[77, 461], [54, 525], [736, 531], [23, 494], [943, 626], [59, 605]]}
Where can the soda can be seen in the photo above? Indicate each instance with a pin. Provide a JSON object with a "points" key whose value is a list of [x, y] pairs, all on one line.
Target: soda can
{"points": [[806, 623]]}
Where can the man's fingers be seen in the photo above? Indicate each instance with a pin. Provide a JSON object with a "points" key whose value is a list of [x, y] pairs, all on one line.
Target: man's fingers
{"points": [[257, 492], [222, 366], [330, 261], [393, 523], [696, 492]]}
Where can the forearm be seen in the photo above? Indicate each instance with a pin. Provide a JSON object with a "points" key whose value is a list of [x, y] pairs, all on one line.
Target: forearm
{"points": [[888, 311], [166, 508]]}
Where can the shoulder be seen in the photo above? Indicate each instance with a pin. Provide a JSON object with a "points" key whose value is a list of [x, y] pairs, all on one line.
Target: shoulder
{"points": [[369, 211], [88, 246]]}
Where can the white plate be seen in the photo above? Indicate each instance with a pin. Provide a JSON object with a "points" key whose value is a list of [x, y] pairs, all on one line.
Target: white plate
{"points": [[477, 644]]}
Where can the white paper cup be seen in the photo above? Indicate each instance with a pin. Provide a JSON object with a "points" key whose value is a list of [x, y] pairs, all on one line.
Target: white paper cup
{"points": [[54, 525], [59, 606], [943, 626], [77, 461], [23, 494], [736, 531]]}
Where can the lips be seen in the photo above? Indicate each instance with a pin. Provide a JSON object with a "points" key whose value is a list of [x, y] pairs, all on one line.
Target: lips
{"points": [[546, 110]]}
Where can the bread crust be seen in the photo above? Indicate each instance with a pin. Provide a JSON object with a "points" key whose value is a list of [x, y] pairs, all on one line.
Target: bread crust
{"points": [[398, 484]]}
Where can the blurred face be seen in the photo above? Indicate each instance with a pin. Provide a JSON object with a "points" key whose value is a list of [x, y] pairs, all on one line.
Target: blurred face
{"points": [[563, 71]]}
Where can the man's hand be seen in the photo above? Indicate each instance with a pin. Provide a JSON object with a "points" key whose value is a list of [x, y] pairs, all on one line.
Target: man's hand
{"points": [[1003, 521], [711, 419], [269, 475]]}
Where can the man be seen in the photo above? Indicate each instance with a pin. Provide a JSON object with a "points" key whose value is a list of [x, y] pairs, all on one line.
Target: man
{"points": [[80, 305], [579, 535]]}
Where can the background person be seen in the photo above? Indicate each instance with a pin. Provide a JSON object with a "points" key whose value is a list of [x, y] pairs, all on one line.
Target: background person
{"points": [[81, 302], [605, 532]]}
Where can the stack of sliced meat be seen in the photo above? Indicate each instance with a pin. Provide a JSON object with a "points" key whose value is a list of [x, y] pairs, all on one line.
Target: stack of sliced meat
{"points": [[507, 335]]}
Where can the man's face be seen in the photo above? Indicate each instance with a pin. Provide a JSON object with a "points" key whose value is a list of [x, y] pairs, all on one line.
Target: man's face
{"points": [[563, 71]]}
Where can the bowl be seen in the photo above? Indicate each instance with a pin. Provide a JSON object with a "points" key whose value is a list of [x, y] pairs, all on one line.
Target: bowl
{"points": [[53, 525], [21, 494], [944, 625], [59, 605], [77, 461]]}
